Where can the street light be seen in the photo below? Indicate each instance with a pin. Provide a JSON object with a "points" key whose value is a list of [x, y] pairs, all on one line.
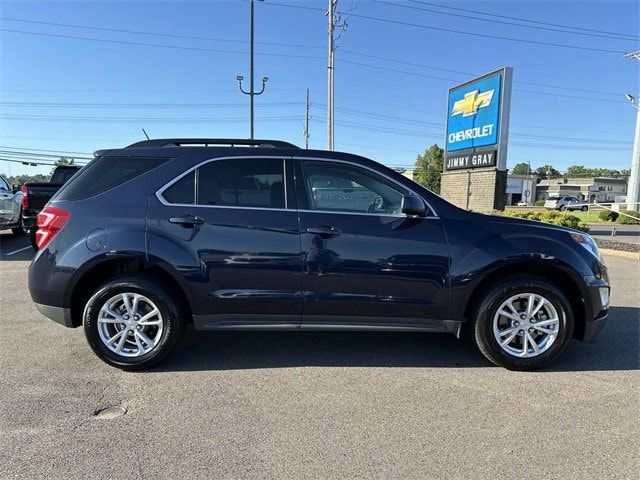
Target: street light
{"points": [[251, 92]]}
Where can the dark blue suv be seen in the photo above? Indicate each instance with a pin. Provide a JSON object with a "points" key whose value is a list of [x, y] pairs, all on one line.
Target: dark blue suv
{"points": [[261, 235]]}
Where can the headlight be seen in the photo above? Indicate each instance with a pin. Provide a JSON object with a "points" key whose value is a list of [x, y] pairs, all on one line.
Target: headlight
{"points": [[587, 242]]}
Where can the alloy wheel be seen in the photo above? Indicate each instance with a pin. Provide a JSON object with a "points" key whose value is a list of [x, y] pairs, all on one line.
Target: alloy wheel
{"points": [[130, 324], [526, 325]]}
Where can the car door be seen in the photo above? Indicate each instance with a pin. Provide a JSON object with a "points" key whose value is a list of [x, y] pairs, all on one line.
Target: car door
{"points": [[365, 264], [234, 231], [8, 205]]}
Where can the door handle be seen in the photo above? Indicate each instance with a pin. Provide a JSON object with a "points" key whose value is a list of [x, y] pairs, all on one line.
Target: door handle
{"points": [[324, 232], [187, 221]]}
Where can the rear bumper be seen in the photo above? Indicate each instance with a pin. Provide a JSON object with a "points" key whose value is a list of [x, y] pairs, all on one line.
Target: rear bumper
{"points": [[57, 314]]}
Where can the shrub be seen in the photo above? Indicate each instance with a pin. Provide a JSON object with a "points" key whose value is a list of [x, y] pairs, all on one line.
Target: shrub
{"points": [[624, 220], [608, 216], [552, 216], [539, 203]]}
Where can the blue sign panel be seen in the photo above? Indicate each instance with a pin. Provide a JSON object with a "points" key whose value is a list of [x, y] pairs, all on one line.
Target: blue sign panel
{"points": [[474, 114]]}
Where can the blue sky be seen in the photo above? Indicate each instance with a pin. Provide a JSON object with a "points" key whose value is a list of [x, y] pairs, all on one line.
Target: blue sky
{"points": [[71, 94]]}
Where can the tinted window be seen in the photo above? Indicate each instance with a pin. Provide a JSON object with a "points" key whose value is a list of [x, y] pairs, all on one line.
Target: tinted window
{"points": [[343, 187], [183, 191], [3, 184], [105, 173], [62, 175], [242, 182]]}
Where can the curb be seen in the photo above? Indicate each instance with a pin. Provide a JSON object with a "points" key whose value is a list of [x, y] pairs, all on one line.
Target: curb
{"points": [[620, 253]]}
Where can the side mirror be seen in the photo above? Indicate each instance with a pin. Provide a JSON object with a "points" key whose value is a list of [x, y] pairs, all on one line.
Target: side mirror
{"points": [[414, 206]]}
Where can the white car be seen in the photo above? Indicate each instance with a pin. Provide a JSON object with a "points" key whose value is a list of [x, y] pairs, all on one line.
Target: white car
{"points": [[565, 203]]}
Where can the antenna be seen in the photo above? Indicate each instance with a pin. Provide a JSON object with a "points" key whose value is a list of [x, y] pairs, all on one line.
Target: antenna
{"points": [[145, 134]]}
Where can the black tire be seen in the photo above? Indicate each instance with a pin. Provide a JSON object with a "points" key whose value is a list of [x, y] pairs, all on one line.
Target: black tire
{"points": [[584, 208], [562, 208], [19, 230], [32, 238], [481, 322], [173, 317]]}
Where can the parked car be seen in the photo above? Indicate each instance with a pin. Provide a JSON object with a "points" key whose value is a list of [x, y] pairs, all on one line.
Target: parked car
{"points": [[10, 207], [565, 203], [148, 238], [35, 195]]}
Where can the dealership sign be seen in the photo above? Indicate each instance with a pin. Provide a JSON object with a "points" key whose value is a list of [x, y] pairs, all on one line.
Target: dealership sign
{"points": [[478, 122]]}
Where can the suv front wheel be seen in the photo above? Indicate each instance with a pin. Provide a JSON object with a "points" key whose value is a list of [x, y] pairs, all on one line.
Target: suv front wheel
{"points": [[523, 323], [132, 322]]}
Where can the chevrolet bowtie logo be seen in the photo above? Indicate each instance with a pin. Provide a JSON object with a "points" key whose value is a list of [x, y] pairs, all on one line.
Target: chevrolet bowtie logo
{"points": [[471, 102]]}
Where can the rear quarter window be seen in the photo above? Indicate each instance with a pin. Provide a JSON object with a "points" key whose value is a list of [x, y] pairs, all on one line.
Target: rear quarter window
{"points": [[105, 173]]}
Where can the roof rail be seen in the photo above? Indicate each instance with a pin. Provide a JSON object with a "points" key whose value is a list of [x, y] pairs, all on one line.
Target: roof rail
{"points": [[177, 142]]}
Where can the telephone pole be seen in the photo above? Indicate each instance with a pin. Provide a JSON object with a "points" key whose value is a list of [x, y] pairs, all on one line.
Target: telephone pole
{"points": [[307, 119], [252, 93], [331, 15]]}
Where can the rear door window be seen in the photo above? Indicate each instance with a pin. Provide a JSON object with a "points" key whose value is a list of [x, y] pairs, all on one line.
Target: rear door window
{"points": [[237, 182], [242, 182], [105, 173]]}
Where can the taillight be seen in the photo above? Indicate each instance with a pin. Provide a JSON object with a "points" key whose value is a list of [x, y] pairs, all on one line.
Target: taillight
{"points": [[25, 197], [50, 222]]}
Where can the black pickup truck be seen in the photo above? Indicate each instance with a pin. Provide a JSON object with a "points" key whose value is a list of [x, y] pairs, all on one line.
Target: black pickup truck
{"points": [[35, 195]]}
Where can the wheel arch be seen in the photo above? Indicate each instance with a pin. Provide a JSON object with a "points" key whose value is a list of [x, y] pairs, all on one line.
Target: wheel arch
{"points": [[87, 283], [553, 274]]}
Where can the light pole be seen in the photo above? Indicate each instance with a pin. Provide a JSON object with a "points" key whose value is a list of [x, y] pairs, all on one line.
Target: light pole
{"points": [[633, 188], [252, 93]]}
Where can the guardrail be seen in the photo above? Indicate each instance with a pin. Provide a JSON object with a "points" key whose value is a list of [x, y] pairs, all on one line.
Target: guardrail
{"points": [[613, 227]]}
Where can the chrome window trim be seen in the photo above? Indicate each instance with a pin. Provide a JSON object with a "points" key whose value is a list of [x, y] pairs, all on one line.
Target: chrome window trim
{"points": [[395, 182], [159, 193], [167, 185]]}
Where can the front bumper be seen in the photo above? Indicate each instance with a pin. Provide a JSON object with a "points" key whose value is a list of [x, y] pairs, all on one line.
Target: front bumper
{"points": [[57, 314], [596, 303], [593, 327]]}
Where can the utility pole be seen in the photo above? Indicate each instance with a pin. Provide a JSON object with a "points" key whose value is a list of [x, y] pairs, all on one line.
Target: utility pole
{"points": [[633, 187], [252, 93], [307, 119], [331, 14]]}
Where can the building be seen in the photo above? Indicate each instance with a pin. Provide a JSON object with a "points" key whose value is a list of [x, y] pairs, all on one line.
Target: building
{"points": [[521, 188], [590, 189]]}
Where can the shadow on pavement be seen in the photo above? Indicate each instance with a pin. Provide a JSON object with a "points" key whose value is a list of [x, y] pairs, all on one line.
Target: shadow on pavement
{"points": [[15, 248], [616, 348]]}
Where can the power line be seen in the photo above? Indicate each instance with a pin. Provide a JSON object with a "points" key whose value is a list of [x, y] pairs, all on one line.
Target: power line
{"points": [[406, 72], [522, 19], [141, 105], [35, 154], [493, 20], [157, 34], [41, 150], [130, 120], [157, 45], [404, 62], [462, 32]]}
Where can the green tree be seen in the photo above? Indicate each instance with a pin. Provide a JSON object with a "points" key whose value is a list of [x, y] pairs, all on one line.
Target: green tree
{"points": [[428, 168], [521, 169], [62, 161], [547, 171]]}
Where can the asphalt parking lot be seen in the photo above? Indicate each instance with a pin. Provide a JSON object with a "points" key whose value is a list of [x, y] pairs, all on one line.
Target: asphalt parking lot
{"points": [[315, 405]]}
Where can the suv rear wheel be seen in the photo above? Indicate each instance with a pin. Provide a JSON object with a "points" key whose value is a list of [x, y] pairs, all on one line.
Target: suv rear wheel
{"points": [[523, 323], [132, 322]]}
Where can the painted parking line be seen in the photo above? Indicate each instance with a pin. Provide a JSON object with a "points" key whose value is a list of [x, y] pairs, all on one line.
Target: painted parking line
{"points": [[18, 251]]}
